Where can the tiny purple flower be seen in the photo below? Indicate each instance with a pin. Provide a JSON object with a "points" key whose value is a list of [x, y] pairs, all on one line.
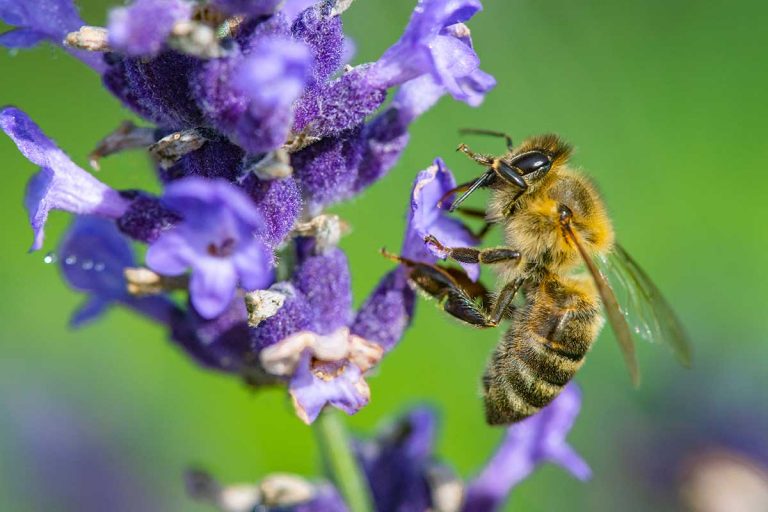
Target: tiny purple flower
{"points": [[326, 361], [41, 20], [93, 256], [217, 239], [60, 184], [324, 370], [427, 218], [540, 438], [142, 27], [435, 43]]}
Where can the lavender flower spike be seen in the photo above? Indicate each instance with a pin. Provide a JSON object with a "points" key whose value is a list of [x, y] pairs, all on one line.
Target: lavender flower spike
{"points": [[40, 20], [426, 218], [436, 43], [217, 239], [538, 439], [60, 184], [142, 27]]}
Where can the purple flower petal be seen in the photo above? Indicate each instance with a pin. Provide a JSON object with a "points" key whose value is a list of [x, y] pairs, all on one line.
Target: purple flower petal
{"points": [[218, 238], [250, 262], [437, 44], [44, 19], [93, 256], [89, 311], [425, 218], [387, 312], [347, 390], [60, 184], [170, 254], [538, 439], [20, 38], [212, 286], [142, 27]]}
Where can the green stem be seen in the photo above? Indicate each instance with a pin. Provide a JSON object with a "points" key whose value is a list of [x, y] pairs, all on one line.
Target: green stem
{"points": [[337, 455]]}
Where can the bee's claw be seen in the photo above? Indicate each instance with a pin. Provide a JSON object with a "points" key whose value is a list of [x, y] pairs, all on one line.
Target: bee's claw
{"points": [[431, 240]]}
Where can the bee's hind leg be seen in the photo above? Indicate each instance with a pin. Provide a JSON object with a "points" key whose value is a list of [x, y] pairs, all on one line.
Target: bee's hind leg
{"points": [[453, 298]]}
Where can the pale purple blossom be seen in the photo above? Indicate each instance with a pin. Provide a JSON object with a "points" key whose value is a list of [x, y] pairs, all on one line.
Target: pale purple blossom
{"points": [[218, 239], [538, 439], [328, 350], [93, 256], [60, 184], [426, 217], [142, 27], [41, 20], [436, 43]]}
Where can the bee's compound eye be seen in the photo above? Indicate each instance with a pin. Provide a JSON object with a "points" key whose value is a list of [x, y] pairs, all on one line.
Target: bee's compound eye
{"points": [[532, 162]]}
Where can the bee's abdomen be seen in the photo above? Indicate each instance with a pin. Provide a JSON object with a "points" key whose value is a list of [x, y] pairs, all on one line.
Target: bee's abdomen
{"points": [[538, 356]]}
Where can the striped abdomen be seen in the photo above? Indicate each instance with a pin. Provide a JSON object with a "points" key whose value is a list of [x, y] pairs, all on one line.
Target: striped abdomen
{"points": [[543, 348]]}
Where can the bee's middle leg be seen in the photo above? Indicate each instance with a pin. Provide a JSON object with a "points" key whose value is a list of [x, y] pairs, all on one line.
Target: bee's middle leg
{"points": [[487, 256]]}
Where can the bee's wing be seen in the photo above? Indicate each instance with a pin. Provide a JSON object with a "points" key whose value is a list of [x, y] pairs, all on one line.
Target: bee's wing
{"points": [[645, 308], [611, 304]]}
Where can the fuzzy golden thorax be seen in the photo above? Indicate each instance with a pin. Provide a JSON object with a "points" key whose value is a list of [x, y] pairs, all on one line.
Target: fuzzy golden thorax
{"points": [[533, 227]]}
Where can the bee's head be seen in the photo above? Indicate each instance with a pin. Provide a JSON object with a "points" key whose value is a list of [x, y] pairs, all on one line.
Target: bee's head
{"points": [[531, 165], [536, 156]]}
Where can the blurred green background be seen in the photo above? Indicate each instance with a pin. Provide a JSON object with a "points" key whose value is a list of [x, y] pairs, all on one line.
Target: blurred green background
{"points": [[665, 103]]}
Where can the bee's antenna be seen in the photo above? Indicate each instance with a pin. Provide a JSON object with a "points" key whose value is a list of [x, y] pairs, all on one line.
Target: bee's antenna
{"points": [[482, 181], [493, 133]]}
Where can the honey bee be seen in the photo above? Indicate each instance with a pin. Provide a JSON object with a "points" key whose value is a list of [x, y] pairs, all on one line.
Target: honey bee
{"points": [[554, 224]]}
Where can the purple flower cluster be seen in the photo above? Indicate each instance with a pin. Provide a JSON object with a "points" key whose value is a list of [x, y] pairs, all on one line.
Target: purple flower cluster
{"points": [[404, 475], [257, 124]]}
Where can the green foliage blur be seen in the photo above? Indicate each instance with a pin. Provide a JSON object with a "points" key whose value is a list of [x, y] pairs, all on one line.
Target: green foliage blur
{"points": [[665, 103]]}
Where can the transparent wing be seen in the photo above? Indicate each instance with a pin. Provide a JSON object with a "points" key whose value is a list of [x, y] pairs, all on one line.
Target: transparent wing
{"points": [[646, 310], [612, 308]]}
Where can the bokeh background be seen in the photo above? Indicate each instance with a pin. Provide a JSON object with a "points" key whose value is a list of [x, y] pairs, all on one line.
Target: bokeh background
{"points": [[665, 103]]}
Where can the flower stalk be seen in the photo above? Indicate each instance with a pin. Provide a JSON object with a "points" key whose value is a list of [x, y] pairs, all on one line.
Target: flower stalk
{"points": [[334, 441]]}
